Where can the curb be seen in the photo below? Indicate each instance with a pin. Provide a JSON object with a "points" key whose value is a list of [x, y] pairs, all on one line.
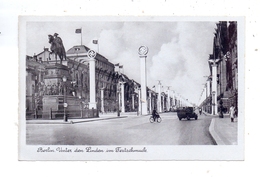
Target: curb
{"points": [[71, 121], [40, 122], [98, 119], [217, 140]]}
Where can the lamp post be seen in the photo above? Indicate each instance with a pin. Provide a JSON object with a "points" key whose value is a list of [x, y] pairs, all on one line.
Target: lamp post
{"points": [[64, 79]]}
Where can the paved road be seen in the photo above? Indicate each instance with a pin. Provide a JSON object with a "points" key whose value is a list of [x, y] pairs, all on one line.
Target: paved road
{"points": [[123, 131]]}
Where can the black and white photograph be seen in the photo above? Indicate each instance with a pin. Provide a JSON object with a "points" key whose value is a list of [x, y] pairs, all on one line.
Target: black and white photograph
{"points": [[131, 88]]}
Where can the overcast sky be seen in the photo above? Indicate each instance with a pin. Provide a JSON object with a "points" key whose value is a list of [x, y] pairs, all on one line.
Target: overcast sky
{"points": [[178, 51]]}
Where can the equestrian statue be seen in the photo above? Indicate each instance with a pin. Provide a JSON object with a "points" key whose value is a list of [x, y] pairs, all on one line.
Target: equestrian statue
{"points": [[57, 47]]}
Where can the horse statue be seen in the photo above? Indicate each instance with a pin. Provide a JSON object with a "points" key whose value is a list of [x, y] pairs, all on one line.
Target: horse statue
{"points": [[57, 47]]}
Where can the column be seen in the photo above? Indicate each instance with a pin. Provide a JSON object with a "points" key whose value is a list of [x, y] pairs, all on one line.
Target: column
{"points": [[143, 85], [163, 103], [133, 101], [102, 99], [214, 88], [139, 101], [92, 80], [119, 101], [159, 98], [169, 101], [150, 101], [173, 99], [122, 96], [208, 94]]}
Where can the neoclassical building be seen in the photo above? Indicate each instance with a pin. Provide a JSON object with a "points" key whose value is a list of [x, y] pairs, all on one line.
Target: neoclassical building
{"points": [[47, 91]]}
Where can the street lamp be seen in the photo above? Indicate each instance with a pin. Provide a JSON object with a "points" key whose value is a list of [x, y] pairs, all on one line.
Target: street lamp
{"points": [[64, 79]]}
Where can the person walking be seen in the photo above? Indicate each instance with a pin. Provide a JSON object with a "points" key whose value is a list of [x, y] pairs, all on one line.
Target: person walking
{"points": [[232, 112]]}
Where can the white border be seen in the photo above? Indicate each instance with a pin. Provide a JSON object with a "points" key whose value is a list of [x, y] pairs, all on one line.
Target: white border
{"points": [[194, 152]]}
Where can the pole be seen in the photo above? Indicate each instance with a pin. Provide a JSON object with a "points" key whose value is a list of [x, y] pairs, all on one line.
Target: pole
{"points": [[117, 101], [64, 111], [81, 36], [143, 97], [122, 97], [159, 97]]}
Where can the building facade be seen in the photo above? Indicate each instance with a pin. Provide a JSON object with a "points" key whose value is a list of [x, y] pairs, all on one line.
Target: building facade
{"points": [[47, 92], [222, 84]]}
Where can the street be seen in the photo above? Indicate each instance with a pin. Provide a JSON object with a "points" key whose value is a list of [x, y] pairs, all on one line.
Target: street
{"points": [[123, 131]]}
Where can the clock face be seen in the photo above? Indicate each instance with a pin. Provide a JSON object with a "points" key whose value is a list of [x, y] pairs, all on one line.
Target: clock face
{"points": [[91, 54], [143, 50]]}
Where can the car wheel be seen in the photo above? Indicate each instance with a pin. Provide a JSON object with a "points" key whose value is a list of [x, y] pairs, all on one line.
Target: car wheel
{"points": [[179, 118], [188, 118]]}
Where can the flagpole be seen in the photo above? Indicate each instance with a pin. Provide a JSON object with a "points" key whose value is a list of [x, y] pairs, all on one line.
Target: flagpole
{"points": [[98, 45], [81, 35]]}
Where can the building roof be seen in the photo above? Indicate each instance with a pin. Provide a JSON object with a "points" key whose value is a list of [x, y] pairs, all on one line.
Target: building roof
{"points": [[82, 49], [44, 50], [78, 49]]}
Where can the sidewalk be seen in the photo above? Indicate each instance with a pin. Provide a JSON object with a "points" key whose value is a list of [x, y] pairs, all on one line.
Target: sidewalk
{"points": [[223, 131], [104, 116]]}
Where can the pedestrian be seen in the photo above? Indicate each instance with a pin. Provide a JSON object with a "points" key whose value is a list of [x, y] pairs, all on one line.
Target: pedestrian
{"points": [[232, 112]]}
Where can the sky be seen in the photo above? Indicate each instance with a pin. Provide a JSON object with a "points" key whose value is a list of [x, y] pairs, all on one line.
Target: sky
{"points": [[178, 50]]}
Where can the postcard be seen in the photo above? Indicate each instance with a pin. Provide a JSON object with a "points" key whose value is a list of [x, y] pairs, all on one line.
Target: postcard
{"points": [[131, 88]]}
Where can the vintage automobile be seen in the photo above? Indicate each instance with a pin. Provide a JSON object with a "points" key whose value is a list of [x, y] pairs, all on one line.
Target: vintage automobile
{"points": [[187, 113]]}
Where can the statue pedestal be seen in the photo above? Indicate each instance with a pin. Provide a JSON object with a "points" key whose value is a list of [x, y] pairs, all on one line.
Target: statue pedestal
{"points": [[53, 107]]}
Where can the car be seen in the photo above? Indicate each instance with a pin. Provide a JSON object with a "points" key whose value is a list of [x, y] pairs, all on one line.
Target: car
{"points": [[186, 112]]}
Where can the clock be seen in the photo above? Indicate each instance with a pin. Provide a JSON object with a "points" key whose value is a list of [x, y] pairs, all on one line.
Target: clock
{"points": [[143, 50]]}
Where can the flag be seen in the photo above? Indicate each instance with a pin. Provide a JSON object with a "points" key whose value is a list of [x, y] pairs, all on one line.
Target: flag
{"points": [[95, 41], [116, 64], [121, 66], [78, 30]]}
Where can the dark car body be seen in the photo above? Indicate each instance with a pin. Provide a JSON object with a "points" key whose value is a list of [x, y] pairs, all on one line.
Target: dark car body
{"points": [[186, 112]]}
